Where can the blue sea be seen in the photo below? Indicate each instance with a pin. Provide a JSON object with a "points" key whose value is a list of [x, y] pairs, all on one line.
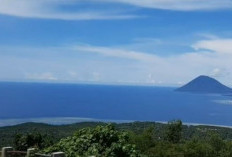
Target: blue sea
{"points": [[74, 102]]}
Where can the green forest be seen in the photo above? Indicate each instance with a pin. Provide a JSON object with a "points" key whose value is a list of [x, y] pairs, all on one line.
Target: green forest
{"points": [[137, 139]]}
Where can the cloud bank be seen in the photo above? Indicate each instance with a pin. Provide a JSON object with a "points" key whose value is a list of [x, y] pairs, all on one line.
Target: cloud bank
{"points": [[51, 9], [183, 5], [215, 45], [104, 64]]}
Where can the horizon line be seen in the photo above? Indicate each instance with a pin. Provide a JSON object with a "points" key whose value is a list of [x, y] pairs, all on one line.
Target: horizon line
{"points": [[90, 83]]}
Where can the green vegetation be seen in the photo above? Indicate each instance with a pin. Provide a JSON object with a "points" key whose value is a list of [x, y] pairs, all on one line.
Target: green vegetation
{"points": [[145, 139], [32, 140], [173, 144], [7, 134], [100, 141], [173, 132]]}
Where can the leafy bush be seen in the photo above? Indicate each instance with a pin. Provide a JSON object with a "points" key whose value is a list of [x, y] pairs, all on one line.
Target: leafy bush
{"points": [[29, 140], [102, 141]]}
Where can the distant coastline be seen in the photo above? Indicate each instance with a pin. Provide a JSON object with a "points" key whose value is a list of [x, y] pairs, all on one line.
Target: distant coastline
{"points": [[55, 120], [72, 120]]}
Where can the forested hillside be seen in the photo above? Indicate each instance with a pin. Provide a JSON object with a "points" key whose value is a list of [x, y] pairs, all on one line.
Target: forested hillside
{"points": [[139, 138]]}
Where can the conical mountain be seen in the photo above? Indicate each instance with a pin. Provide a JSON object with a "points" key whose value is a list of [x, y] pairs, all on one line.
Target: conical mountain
{"points": [[205, 84]]}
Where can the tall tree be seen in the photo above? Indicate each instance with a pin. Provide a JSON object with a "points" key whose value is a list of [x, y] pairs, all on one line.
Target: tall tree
{"points": [[174, 131]]}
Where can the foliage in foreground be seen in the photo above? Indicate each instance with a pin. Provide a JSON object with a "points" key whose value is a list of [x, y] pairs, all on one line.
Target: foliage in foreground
{"points": [[102, 141], [151, 139], [32, 140]]}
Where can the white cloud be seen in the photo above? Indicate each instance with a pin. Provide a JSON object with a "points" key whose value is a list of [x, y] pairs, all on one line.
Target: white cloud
{"points": [[41, 76], [72, 74], [184, 5], [48, 9], [216, 72], [113, 64], [216, 45], [209, 59], [119, 53]]}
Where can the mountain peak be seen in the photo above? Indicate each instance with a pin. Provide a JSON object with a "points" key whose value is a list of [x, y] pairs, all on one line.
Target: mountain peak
{"points": [[204, 76], [205, 84]]}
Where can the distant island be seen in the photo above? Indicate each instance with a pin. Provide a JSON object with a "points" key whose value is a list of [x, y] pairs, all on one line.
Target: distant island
{"points": [[205, 84]]}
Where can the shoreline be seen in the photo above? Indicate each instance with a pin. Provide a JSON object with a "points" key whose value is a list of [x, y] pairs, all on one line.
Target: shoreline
{"points": [[72, 120], [56, 121]]}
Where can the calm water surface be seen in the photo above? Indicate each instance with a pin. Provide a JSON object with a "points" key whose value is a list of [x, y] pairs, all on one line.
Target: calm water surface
{"points": [[37, 100]]}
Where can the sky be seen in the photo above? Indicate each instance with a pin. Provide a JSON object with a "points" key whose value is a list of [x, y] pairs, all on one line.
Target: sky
{"points": [[139, 42]]}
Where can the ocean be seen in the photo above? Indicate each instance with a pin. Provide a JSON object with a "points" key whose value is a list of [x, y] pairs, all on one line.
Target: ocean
{"points": [[69, 103]]}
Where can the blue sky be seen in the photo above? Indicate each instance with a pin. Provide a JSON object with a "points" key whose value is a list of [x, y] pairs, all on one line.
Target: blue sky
{"points": [[152, 42]]}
